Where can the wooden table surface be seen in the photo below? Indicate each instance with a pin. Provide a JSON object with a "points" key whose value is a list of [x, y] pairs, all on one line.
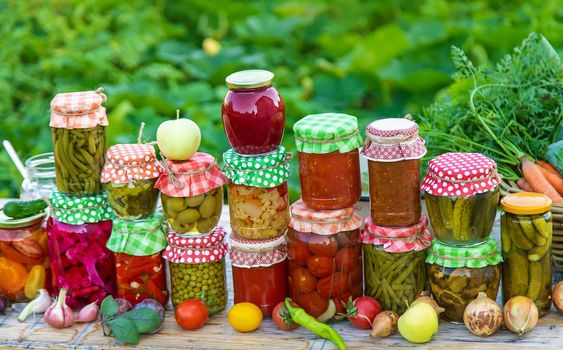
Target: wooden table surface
{"points": [[217, 334]]}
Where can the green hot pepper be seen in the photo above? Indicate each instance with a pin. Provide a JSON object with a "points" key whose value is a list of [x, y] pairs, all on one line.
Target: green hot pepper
{"points": [[299, 316]]}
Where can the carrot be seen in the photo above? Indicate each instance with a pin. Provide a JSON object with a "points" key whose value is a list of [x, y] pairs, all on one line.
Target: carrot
{"points": [[554, 179], [524, 185], [537, 180], [547, 166]]}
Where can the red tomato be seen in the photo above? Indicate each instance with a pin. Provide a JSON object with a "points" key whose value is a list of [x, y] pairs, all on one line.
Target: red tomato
{"points": [[347, 238], [362, 311], [323, 245], [191, 314], [313, 303], [355, 277], [321, 266], [291, 266], [282, 318], [302, 280], [340, 307], [298, 252], [347, 259], [334, 285]]}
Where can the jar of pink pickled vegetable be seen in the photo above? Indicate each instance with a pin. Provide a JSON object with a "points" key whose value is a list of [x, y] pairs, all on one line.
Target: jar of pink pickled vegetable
{"points": [[77, 233]]}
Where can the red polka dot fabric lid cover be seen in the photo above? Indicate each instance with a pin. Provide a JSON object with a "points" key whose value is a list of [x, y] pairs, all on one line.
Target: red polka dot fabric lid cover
{"points": [[257, 253], [192, 177], [196, 250], [460, 175], [323, 222], [398, 239], [128, 162]]}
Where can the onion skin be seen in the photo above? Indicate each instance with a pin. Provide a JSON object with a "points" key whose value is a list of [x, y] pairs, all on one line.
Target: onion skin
{"points": [[520, 314], [482, 316], [557, 297], [384, 324], [428, 300]]}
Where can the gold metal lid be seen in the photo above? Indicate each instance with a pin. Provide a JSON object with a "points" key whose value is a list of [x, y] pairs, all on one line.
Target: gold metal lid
{"points": [[249, 79]]}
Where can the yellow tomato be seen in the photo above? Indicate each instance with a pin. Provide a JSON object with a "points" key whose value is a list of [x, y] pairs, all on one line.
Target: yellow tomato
{"points": [[35, 281], [12, 275], [245, 317]]}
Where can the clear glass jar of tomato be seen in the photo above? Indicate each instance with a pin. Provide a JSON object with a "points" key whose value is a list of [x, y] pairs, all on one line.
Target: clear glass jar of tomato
{"points": [[253, 112], [329, 164], [325, 259], [259, 270]]}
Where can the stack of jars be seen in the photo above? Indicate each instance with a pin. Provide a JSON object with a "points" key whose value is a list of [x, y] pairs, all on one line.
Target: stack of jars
{"points": [[462, 195], [395, 236], [325, 258], [257, 168]]}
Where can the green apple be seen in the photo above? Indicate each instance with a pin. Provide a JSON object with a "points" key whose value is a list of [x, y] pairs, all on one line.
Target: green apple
{"points": [[419, 323], [178, 139]]}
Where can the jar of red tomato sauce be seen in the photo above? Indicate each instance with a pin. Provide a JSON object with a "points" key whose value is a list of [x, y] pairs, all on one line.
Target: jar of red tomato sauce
{"points": [[393, 149], [259, 271], [329, 164], [140, 272], [325, 259], [253, 112]]}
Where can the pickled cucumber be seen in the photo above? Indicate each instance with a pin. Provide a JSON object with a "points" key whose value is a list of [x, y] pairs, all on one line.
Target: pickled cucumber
{"points": [[196, 214], [134, 200]]}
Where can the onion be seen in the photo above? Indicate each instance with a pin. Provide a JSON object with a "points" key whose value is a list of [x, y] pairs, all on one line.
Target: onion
{"points": [[482, 316], [384, 324], [557, 296], [156, 306], [520, 314], [423, 298]]}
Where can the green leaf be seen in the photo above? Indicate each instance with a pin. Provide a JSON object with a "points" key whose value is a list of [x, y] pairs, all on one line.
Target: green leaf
{"points": [[124, 330], [146, 319], [109, 307]]}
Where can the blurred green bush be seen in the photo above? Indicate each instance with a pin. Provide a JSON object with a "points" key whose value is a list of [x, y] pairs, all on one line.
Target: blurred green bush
{"points": [[370, 59]]}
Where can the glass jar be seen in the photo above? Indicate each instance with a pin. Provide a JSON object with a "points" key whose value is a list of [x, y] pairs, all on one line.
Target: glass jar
{"points": [[253, 112], [456, 275], [393, 149], [325, 259], [394, 263], [526, 239], [41, 181], [77, 233], [257, 193], [259, 270], [23, 257], [140, 271], [78, 122], [197, 268], [461, 197], [192, 194], [329, 164], [129, 175]]}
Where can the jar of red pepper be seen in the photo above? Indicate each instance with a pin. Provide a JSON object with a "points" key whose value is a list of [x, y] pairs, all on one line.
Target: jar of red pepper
{"points": [[259, 271], [140, 272]]}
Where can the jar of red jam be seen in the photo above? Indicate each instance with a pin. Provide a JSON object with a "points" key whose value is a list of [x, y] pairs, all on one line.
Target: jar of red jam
{"points": [[329, 164], [253, 112], [325, 259], [259, 272]]}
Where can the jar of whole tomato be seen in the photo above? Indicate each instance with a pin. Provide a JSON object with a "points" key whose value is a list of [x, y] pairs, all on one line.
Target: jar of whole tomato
{"points": [[325, 259], [329, 164], [23, 257], [394, 262], [393, 149], [259, 271], [140, 272], [257, 192], [253, 112], [77, 233]]}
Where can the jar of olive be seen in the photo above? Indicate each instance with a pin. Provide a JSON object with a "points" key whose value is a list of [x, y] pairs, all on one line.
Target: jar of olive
{"points": [[456, 275], [192, 194], [197, 268], [526, 234]]}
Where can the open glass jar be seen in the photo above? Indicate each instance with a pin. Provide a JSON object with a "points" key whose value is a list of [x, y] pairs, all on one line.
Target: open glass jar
{"points": [[329, 164], [462, 196], [41, 181]]}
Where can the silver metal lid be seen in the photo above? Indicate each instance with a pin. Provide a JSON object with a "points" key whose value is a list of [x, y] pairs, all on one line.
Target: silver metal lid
{"points": [[249, 79]]}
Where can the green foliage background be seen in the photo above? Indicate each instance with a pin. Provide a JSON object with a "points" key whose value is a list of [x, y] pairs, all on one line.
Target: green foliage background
{"points": [[371, 59]]}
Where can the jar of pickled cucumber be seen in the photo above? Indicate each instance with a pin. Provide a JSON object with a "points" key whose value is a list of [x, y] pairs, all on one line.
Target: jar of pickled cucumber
{"points": [[257, 192], [526, 236], [462, 195], [139, 268], [192, 194], [197, 268], [456, 275], [78, 122], [394, 262]]}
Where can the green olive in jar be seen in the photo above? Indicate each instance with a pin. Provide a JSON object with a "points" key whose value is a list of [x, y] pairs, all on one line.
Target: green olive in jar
{"points": [[195, 214]]}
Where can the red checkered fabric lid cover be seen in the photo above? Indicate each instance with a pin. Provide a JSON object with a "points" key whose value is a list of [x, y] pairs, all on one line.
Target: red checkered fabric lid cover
{"points": [[398, 239], [196, 250], [191, 177], [323, 222], [78, 110], [393, 140], [128, 162], [460, 175], [257, 253]]}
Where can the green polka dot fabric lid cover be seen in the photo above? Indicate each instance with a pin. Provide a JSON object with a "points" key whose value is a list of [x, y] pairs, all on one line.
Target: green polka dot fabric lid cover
{"points": [[327, 132], [138, 237], [482, 255], [80, 210], [264, 171]]}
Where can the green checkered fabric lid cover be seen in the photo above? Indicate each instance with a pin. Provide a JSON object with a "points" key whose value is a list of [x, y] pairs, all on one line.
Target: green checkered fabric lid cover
{"points": [[264, 171], [80, 210], [327, 132], [138, 237], [485, 254]]}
